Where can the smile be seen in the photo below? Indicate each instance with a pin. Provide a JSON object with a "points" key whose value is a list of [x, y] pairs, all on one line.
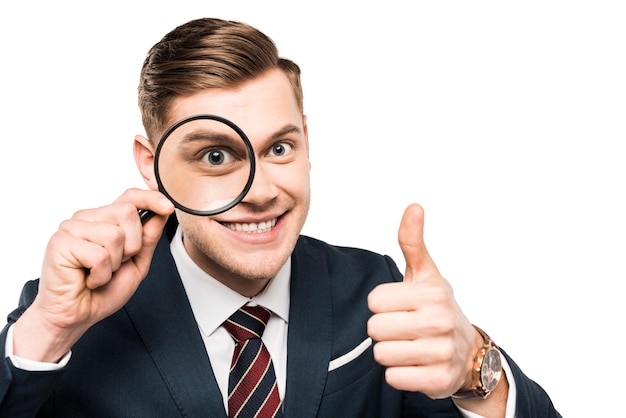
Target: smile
{"points": [[252, 227]]}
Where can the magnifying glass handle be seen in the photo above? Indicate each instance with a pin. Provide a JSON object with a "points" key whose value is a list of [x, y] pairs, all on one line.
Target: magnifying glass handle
{"points": [[145, 215]]}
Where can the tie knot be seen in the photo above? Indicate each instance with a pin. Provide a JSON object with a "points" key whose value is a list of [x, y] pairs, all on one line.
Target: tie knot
{"points": [[248, 322]]}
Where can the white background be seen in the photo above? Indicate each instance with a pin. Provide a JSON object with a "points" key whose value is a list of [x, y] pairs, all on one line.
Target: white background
{"points": [[505, 121]]}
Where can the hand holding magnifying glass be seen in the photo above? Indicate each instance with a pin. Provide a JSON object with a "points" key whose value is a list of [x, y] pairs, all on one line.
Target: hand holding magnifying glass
{"points": [[204, 164]]}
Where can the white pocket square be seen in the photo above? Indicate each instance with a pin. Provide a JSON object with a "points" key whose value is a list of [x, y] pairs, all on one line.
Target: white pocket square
{"points": [[349, 356]]}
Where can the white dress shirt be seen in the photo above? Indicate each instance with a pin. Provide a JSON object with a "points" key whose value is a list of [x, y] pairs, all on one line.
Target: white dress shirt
{"points": [[212, 303]]}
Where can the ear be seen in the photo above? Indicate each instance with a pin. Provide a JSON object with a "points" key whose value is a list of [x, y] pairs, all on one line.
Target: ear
{"points": [[143, 151], [305, 130]]}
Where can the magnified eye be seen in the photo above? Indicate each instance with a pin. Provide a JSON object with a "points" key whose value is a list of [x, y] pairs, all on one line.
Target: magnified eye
{"points": [[205, 164], [281, 148], [218, 157]]}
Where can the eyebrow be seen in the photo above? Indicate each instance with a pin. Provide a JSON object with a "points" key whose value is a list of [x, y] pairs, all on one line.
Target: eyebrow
{"points": [[287, 129], [209, 135]]}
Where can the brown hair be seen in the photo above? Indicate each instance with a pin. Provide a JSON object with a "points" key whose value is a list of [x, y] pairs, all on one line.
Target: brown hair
{"points": [[202, 54]]}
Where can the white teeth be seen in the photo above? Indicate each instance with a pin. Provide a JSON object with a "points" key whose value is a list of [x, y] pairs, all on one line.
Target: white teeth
{"points": [[252, 227]]}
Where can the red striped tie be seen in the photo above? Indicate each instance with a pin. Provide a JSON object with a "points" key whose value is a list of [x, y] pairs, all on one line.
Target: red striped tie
{"points": [[252, 389]]}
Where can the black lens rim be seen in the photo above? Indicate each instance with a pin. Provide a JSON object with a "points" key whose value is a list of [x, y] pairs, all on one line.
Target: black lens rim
{"points": [[249, 149]]}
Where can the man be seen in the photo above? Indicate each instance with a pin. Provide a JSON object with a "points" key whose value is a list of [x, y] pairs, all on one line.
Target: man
{"points": [[131, 320]]}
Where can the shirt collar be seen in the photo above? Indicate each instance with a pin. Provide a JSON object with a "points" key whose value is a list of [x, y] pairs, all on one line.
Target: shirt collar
{"points": [[213, 302]]}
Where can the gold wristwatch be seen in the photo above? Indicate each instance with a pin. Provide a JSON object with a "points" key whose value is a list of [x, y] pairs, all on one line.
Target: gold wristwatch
{"points": [[486, 372]]}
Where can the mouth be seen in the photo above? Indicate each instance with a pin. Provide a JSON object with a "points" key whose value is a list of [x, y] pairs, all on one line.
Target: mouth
{"points": [[251, 227]]}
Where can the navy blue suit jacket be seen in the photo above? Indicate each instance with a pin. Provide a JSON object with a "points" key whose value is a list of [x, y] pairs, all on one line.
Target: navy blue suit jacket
{"points": [[149, 360]]}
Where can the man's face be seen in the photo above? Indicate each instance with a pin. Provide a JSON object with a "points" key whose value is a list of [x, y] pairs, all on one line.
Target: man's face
{"points": [[247, 245]]}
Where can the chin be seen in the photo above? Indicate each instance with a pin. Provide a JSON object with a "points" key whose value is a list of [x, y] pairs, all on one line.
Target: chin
{"points": [[258, 266]]}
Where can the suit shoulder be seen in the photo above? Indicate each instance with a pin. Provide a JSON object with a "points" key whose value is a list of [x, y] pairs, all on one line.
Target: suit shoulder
{"points": [[336, 250], [346, 259]]}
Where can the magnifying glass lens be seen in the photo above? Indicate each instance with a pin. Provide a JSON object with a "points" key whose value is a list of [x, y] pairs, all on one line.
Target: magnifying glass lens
{"points": [[204, 164]]}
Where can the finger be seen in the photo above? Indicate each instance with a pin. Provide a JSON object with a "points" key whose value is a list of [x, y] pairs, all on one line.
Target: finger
{"points": [[394, 297], [109, 236], [420, 352], [147, 199], [155, 202], [429, 322], [116, 227], [76, 262], [410, 311], [97, 262], [419, 265], [136, 264], [430, 380], [124, 214], [391, 326]]}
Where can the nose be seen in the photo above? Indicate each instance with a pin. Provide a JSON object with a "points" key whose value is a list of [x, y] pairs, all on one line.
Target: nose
{"points": [[264, 188]]}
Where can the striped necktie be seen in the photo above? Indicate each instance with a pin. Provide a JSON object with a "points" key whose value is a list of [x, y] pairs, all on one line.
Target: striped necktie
{"points": [[252, 388]]}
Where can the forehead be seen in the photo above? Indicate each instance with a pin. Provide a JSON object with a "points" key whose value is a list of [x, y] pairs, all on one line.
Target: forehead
{"points": [[258, 106]]}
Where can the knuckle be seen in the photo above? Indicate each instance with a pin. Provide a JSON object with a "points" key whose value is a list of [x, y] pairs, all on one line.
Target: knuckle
{"points": [[446, 325], [126, 211], [80, 214], [112, 236], [99, 258], [439, 295], [65, 225], [58, 237], [439, 383], [446, 351], [412, 325]]}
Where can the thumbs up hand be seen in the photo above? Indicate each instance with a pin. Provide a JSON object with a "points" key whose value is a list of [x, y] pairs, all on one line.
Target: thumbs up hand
{"points": [[421, 334]]}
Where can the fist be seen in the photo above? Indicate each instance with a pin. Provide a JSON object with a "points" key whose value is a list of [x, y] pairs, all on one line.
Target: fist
{"points": [[421, 334]]}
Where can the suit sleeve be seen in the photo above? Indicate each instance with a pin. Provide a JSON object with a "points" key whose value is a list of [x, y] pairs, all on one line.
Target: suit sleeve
{"points": [[532, 401], [21, 392]]}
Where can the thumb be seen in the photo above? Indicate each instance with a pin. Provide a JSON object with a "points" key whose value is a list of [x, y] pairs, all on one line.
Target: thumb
{"points": [[419, 265]]}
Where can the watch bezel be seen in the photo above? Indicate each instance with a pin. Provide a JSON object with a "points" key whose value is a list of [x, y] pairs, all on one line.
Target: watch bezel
{"points": [[490, 369]]}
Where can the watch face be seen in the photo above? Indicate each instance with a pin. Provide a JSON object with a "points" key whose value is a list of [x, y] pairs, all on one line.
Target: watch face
{"points": [[491, 369]]}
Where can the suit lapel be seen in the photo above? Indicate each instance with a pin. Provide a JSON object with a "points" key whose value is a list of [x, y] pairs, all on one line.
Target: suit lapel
{"points": [[309, 340], [163, 317]]}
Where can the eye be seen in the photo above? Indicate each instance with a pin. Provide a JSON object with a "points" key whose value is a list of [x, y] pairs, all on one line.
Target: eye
{"points": [[217, 157], [280, 149]]}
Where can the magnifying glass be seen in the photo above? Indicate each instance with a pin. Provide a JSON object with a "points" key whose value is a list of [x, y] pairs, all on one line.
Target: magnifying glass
{"points": [[204, 164]]}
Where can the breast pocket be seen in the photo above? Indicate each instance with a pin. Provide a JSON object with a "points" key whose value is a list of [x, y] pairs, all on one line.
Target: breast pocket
{"points": [[357, 389], [351, 367]]}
